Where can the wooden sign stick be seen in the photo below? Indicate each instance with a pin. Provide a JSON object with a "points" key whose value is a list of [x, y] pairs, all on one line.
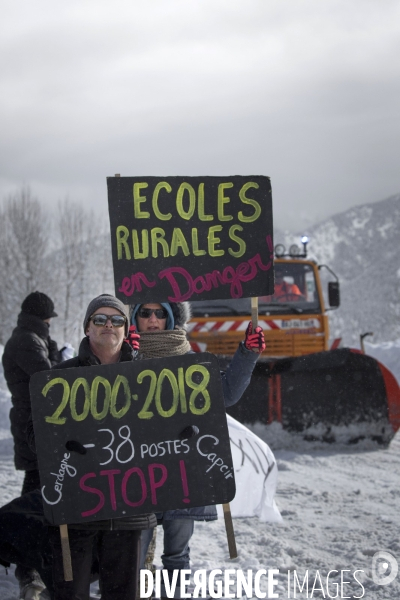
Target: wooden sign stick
{"points": [[66, 553], [230, 534], [254, 312]]}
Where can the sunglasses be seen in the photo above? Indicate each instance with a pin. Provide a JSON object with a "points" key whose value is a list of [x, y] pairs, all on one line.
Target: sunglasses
{"points": [[101, 320], [145, 313]]}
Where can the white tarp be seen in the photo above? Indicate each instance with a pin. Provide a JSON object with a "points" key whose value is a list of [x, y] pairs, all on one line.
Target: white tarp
{"points": [[256, 475]]}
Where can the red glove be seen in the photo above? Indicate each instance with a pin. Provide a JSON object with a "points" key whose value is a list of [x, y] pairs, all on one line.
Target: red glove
{"points": [[133, 338], [254, 341]]}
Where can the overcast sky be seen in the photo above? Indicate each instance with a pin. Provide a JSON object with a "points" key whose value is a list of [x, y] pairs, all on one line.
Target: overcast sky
{"points": [[304, 91]]}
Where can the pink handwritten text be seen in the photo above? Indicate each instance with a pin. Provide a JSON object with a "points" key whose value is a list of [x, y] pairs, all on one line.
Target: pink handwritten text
{"points": [[157, 475], [184, 286], [134, 283]]}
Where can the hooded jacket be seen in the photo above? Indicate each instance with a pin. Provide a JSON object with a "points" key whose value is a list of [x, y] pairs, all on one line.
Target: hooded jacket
{"points": [[179, 314], [29, 350]]}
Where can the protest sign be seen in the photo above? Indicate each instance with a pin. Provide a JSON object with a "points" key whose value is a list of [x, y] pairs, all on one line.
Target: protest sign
{"points": [[191, 238], [131, 438]]}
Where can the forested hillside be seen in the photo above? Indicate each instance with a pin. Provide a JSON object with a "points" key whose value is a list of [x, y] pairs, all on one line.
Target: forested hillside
{"points": [[362, 247]]}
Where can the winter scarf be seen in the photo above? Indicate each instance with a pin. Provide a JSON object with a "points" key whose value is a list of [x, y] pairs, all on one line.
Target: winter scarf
{"points": [[158, 344]]}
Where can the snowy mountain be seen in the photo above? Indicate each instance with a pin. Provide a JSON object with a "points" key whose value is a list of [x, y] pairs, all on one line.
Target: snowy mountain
{"points": [[361, 245]]}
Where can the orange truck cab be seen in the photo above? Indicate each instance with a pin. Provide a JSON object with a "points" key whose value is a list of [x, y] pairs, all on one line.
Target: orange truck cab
{"points": [[294, 319]]}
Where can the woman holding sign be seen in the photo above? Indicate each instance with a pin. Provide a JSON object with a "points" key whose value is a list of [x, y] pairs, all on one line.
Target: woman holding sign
{"points": [[162, 329]]}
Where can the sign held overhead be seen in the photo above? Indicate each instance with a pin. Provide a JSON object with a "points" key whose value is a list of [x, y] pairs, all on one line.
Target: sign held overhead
{"points": [[191, 238]]}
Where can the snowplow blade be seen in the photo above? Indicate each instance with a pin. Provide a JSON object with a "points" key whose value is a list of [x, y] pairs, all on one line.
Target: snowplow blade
{"points": [[321, 394]]}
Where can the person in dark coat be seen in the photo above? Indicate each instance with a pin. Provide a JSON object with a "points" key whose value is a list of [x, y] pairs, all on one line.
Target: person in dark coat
{"points": [[116, 541], [24, 541], [29, 350], [162, 329]]}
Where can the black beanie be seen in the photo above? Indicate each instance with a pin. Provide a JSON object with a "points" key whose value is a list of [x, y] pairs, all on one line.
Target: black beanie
{"points": [[38, 304]]}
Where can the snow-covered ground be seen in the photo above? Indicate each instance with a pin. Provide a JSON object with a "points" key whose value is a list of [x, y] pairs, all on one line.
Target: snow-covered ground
{"points": [[340, 506]]}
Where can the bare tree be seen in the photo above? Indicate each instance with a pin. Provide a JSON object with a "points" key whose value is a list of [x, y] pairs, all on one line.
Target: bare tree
{"points": [[72, 226], [103, 257], [67, 256], [23, 245], [82, 263]]}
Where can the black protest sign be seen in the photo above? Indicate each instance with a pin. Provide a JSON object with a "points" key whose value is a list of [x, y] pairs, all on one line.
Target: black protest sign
{"points": [[131, 438], [191, 238]]}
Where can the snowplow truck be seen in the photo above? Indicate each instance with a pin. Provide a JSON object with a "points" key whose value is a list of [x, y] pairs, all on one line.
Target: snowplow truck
{"points": [[302, 380]]}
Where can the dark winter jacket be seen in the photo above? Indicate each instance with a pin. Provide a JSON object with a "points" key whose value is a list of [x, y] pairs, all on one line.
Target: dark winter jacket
{"points": [[86, 358], [29, 350]]}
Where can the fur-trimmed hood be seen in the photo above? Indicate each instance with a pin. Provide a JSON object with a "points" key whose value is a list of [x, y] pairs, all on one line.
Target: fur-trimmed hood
{"points": [[181, 312]]}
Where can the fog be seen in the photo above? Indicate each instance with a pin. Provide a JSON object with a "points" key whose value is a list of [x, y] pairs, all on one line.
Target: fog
{"points": [[304, 92]]}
